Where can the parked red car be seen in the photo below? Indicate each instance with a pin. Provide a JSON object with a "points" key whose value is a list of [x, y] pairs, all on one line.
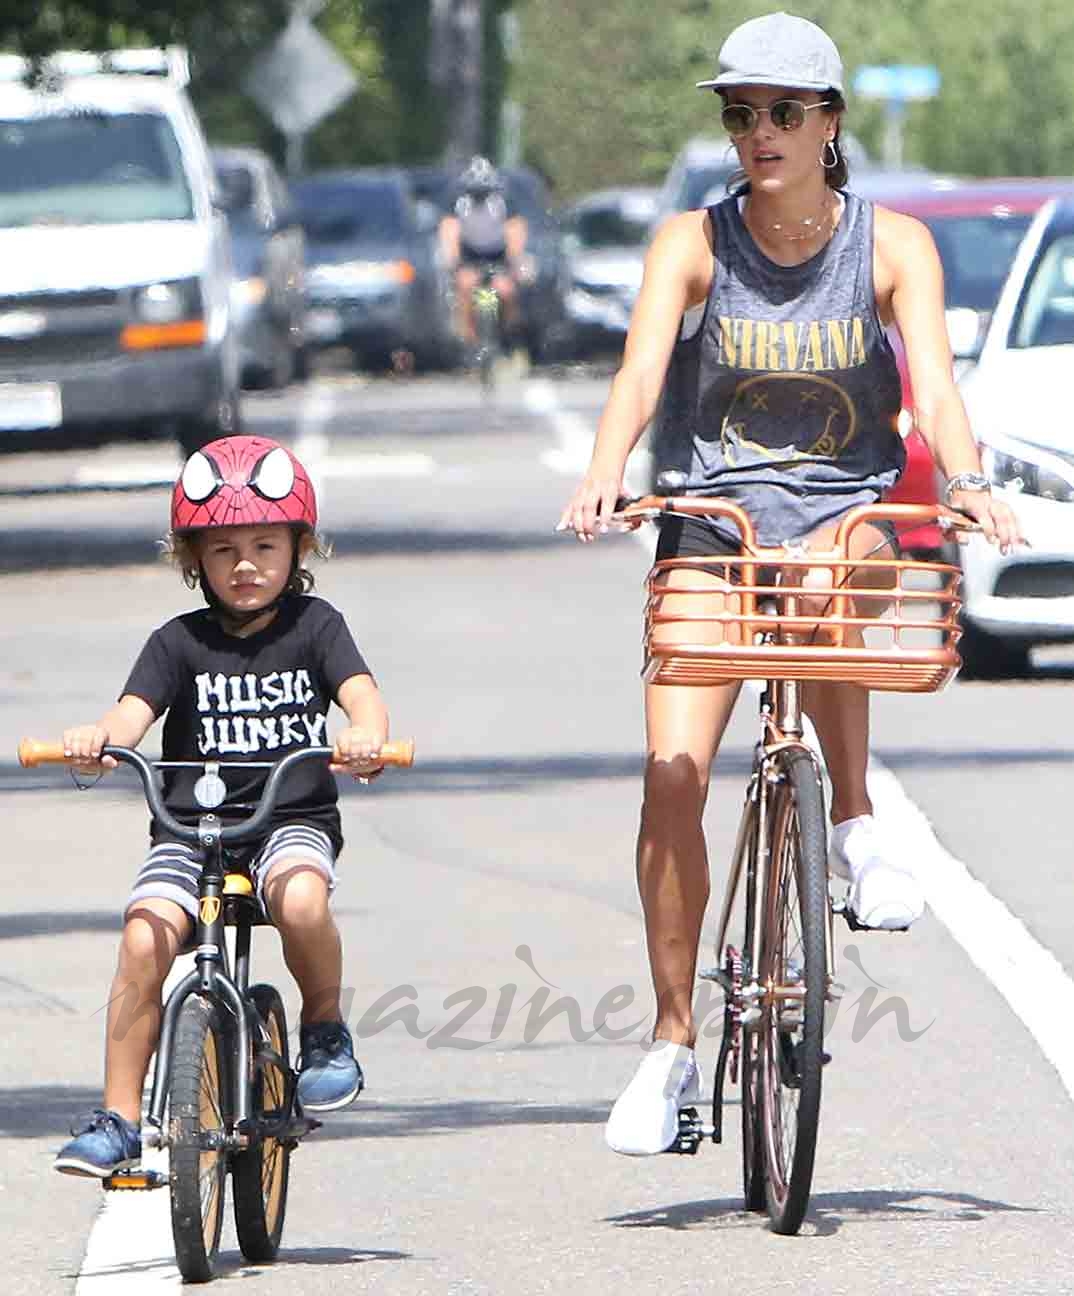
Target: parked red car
{"points": [[977, 225]]}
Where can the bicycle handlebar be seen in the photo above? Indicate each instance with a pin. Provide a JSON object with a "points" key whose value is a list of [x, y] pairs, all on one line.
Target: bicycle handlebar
{"points": [[32, 753], [649, 507]]}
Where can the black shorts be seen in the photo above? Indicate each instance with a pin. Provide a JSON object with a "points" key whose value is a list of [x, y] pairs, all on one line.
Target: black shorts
{"points": [[688, 537]]}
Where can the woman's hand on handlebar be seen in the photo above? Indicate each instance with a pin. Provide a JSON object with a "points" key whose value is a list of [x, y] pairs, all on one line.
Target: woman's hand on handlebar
{"points": [[357, 753], [592, 505], [998, 522], [83, 744]]}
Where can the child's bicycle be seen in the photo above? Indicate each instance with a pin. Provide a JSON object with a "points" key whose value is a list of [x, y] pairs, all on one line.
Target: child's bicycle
{"points": [[775, 940], [222, 1068]]}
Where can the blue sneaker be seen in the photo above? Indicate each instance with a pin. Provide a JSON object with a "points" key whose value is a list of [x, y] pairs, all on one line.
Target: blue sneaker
{"points": [[104, 1142], [329, 1077]]}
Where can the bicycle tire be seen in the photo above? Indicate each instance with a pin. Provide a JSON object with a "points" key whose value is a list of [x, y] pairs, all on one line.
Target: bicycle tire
{"points": [[197, 1098], [260, 1175], [749, 1061], [794, 953]]}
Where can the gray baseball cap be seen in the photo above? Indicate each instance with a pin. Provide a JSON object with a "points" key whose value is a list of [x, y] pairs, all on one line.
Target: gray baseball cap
{"points": [[778, 50]]}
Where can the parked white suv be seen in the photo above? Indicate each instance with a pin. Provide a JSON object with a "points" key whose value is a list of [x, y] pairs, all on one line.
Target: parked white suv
{"points": [[114, 296]]}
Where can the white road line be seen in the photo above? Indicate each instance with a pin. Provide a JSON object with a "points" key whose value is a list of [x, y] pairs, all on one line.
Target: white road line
{"points": [[311, 442], [574, 438], [1028, 976], [130, 1246], [378, 465]]}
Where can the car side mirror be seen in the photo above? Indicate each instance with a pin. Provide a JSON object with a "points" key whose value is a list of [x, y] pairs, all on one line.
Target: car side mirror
{"points": [[234, 190], [426, 215]]}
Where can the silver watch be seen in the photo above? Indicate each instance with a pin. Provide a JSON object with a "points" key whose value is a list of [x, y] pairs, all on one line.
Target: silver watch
{"points": [[969, 481]]}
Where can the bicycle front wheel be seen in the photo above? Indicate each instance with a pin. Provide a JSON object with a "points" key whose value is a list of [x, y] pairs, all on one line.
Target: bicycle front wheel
{"points": [[197, 1124], [260, 1174], [794, 973]]}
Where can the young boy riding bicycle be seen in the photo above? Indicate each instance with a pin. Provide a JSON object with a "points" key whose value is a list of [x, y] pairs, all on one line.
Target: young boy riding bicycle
{"points": [[251, 675]]}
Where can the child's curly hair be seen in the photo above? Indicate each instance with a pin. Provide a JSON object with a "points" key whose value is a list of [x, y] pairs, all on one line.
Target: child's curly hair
{"points": [[182, 551]]}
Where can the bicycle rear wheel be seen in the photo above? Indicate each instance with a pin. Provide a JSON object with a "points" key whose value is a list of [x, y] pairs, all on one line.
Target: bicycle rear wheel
{"points": [[198, 1120], [795, 973], [260, 1174]]}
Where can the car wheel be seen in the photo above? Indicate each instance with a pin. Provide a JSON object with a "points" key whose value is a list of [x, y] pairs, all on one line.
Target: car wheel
{"points": [[988, 657]]}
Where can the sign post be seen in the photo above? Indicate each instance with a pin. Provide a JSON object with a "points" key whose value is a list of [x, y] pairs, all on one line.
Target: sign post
{"points": [[299, 79], [897, 85]]}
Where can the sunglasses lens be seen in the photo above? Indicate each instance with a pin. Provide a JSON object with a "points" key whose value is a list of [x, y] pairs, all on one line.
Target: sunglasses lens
{"points": [[787, 114], [738, 119]]}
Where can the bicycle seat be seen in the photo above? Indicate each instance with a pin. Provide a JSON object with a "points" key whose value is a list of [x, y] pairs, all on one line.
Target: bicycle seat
{"points": [[241, 902]]}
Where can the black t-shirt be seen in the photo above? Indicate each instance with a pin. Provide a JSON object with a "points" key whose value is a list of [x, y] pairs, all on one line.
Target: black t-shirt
{"points": [[255, 698]]}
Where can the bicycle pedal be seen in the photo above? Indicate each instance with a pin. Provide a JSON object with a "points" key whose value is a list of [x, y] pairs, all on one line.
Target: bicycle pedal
{"points": [[854, 925], [134, 1181], [690, 1134]]}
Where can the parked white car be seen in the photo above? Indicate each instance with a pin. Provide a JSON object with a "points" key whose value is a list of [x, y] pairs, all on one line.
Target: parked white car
{"points": [[1018, 398]]}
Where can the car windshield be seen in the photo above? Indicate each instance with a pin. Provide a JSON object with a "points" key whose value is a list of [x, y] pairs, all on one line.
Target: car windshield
{"points": [[699, 180], [976, 252], [91, 168], [1045, 314], [609, 227], [346, 213]]}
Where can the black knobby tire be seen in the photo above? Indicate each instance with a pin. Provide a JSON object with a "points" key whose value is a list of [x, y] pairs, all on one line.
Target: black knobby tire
{"points": [[749, 1061], [197, 1105], [794, 954], [260, 1175]]}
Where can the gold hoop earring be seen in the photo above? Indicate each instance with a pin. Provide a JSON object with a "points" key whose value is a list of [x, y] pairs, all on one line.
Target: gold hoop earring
{"points": [[829, 166]]}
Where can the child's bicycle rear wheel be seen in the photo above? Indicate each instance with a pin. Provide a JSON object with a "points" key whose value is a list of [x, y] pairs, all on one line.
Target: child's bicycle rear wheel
{"points": [[198, 1121], [260, 1175], [794, 974]]}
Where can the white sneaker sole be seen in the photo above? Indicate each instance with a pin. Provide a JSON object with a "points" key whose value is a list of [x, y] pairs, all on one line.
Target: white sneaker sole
{"points": [[87, 1170]]}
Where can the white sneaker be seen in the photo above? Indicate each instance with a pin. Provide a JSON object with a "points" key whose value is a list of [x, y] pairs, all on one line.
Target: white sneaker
{"points": [[645, 1118], [882, 893]]}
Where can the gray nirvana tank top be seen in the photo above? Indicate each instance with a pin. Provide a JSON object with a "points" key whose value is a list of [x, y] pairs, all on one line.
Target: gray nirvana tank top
{"points": [[786, 398]]}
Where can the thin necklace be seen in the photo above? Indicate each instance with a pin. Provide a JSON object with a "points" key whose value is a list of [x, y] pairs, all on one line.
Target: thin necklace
{"points": [[811, 225]]}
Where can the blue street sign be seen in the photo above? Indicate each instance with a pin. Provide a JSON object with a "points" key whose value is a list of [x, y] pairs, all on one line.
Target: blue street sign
{"points": [[897, 81]]}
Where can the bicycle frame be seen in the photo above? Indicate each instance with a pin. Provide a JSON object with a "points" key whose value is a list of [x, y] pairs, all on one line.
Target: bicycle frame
{"points": [[211, 977], [781, 717]]}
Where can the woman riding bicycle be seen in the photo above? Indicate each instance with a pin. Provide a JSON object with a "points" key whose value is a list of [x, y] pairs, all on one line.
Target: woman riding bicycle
{"points": [[784, 398], [253, 674]]}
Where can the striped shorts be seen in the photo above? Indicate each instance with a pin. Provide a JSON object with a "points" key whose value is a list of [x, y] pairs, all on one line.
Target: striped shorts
{"points": [[171, 869]]}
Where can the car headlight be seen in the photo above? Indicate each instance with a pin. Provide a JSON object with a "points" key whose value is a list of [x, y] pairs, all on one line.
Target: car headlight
{"points": [[252, 291], [167, 302], [1021, 472]]}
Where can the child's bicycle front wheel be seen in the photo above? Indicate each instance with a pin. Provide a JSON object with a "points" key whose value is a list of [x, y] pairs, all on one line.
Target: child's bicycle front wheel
{"points": [[260, 1174], [197, 1130]]}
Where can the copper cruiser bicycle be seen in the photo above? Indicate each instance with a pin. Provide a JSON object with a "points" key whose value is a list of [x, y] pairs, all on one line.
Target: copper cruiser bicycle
{"points": [[222, 1067], [775, 937]]}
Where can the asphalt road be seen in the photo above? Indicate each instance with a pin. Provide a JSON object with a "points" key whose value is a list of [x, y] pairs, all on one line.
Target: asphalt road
{"points": [[497, 875]]}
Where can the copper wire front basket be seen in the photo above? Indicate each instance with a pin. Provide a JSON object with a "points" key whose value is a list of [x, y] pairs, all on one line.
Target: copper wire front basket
{"points": [[899, 636]]}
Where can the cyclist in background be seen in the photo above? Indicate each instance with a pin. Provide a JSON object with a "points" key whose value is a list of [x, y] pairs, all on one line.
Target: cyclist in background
{"points": [[252, 675], [481, 229], [783, 398]]}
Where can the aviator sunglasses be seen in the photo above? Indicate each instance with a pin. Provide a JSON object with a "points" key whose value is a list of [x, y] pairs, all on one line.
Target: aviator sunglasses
{"points": [[786, 114]]}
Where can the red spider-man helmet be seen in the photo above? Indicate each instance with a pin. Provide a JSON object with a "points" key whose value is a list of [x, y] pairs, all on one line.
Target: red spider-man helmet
{"points": [[243, 481]]}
